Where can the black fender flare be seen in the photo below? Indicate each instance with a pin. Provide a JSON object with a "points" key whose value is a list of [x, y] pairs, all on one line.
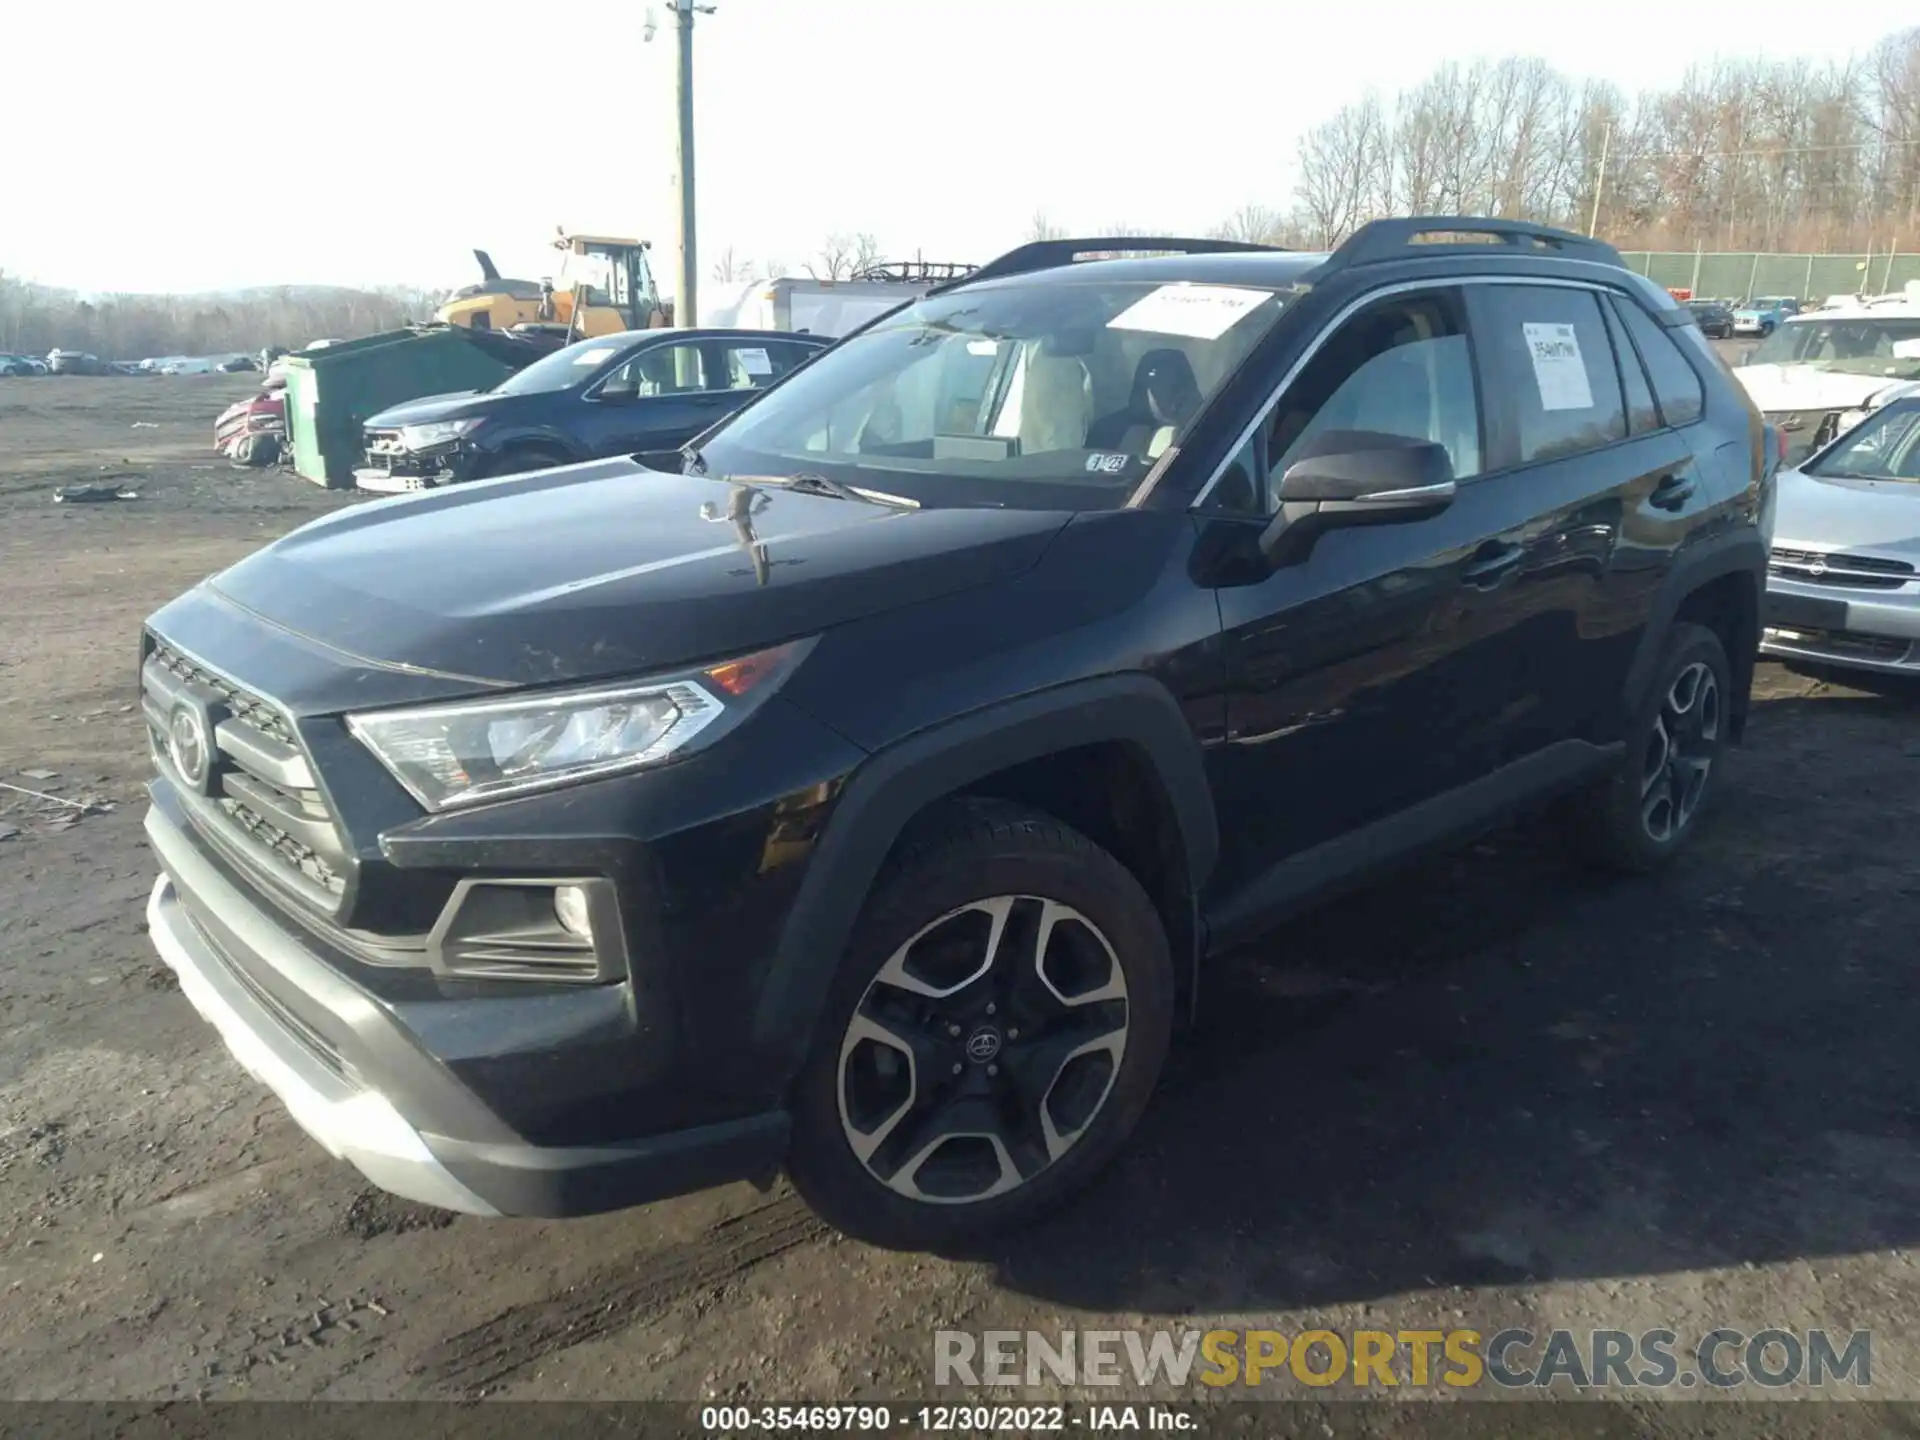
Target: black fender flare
{"points": [[1732, 552], [898, 782], [534, 439]]}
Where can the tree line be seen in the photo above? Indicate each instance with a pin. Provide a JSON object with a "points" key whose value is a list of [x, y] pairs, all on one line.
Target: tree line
{"points": [[36, 318], [1780, 156]]}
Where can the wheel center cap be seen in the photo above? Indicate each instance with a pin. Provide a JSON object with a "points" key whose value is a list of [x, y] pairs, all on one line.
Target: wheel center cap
{"points": [[983, 1044]]}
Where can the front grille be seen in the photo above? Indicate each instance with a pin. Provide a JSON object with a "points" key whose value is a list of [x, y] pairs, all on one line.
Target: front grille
{"points": [[1856, 572], [261, 797], [386, 453]]}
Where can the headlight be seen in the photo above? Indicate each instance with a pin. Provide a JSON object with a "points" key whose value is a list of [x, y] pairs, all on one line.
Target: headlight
{"points": [[461, 754], [425, 437]]}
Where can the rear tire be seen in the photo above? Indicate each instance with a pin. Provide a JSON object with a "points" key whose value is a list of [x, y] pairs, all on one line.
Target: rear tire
{"points": [[992, 1038], [1636, 819]]}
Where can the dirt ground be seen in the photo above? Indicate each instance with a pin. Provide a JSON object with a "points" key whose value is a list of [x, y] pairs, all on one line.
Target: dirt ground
{"points": [[1502, 1090]]}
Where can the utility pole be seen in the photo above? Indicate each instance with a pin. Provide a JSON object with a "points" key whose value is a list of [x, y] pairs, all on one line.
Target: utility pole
{"points": [[1600, 181], [687, 284]]}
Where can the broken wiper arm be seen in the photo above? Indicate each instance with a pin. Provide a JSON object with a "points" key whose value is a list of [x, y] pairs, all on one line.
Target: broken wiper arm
{"points": [[820, 485]]}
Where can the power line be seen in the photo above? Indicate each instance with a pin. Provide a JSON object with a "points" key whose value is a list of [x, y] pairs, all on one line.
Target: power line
{"points": [[1774, 152]]}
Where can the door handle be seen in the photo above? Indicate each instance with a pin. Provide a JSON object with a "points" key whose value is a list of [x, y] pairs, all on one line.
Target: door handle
{"points": [[1672, 492], [1492, 563]]}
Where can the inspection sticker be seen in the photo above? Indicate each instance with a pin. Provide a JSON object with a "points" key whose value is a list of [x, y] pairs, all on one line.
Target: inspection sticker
{"points": [[1558, 368], [594, 356], [755, 362], [1204, 312]]}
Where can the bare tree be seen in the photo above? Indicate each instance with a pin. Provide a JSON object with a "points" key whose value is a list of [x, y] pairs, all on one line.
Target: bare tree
{"points": [[866, 252], [1041, 227], [1780, 155], [1344, 165], [1254, 223], [840, 256], [730, 269]]}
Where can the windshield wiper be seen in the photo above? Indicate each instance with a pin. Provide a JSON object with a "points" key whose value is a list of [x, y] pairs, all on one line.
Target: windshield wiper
{"points": [[812, 484]]}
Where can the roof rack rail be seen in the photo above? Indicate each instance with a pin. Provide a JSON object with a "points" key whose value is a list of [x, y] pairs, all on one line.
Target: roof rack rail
{"points": [[1053, 254], [1379, 240], [915, 271]]}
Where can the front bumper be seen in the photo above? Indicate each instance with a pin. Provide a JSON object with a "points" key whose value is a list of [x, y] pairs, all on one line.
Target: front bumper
{"points": [[1867, 630], [361, 1082]]}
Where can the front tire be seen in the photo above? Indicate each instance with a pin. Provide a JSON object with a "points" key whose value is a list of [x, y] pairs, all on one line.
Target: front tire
{"points": [[992, 1038], [1637, 818]]}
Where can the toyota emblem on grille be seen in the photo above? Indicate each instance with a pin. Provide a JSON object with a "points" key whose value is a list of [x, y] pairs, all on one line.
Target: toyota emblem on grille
{"points": [[1818, 567], [190, 744]]}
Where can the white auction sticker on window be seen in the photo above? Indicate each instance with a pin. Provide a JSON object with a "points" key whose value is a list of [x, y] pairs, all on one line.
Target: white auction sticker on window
{"points": [[1203, 312], [755, 362], [594, 356], [1558, 368]]}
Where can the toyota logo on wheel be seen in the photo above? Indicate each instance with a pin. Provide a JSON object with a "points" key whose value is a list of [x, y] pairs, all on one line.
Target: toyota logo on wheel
{"points": [[983, 1045], [190, 745]]}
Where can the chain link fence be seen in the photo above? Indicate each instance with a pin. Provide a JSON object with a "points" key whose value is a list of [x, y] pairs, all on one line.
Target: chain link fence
{"points": [[1740, 276]]}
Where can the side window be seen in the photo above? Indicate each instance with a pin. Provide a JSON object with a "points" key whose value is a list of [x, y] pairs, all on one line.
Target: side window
{"points": [[1401, 367], [1675, 384], [1563, 392], [1642, 417], [662, 370], [754, 367]]}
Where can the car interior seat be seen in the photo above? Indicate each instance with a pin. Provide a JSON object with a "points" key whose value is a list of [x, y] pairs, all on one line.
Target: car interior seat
{"points": [[1056, 406]]}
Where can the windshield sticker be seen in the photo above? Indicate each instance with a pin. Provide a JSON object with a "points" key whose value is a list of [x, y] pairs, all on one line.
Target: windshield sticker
{"points": [[1906, 349], [983, 347], [1557, 367], [755, 362], [1102, 463], [594, 356], [1201, 312]]}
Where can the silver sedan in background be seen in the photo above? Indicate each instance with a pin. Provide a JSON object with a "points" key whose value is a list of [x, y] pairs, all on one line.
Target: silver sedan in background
{"points": [[1843, 584]]}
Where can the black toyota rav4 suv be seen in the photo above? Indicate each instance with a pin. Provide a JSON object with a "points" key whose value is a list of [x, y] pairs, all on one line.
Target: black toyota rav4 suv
{"points": [[868, 797]]}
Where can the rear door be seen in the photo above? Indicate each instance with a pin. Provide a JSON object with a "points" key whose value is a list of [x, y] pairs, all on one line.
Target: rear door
{"points": [[1593, 481]]}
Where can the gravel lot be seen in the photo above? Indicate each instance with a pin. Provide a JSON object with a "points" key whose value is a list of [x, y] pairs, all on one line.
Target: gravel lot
{"points": [[1499, 1090]]}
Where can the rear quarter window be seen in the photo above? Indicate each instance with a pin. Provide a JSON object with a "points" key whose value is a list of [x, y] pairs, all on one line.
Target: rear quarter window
{"points": [[1676, 385]]}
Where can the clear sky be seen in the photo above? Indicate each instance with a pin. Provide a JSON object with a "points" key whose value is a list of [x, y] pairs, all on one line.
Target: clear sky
{"points": [[199, 144]]}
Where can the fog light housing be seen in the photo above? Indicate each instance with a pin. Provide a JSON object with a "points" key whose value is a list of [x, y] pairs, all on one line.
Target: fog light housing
{"points": [[573, 910], [533, 930]]}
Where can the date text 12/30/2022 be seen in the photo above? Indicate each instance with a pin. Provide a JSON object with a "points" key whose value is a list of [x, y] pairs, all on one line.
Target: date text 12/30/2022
{"points": [[943, 1419]]}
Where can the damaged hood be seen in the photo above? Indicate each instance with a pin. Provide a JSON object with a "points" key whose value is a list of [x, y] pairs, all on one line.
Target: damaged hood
{"points": [[610, 569], [428, 408], [1776, 388]]}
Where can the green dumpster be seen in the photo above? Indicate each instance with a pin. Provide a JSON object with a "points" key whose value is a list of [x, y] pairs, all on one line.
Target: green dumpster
{"points": [[331, 393]]}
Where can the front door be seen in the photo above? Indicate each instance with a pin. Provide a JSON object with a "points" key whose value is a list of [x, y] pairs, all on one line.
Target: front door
{"points": [[1360, 677]]}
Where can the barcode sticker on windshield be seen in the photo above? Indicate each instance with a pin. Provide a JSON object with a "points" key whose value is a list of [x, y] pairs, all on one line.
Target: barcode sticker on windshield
{"points": [[755, 362], [593, 356], [1558, 369], [1202, 312]]}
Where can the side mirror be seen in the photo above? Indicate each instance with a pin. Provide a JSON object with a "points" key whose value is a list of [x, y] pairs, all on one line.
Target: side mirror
{"points": [[1357, 477]]}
